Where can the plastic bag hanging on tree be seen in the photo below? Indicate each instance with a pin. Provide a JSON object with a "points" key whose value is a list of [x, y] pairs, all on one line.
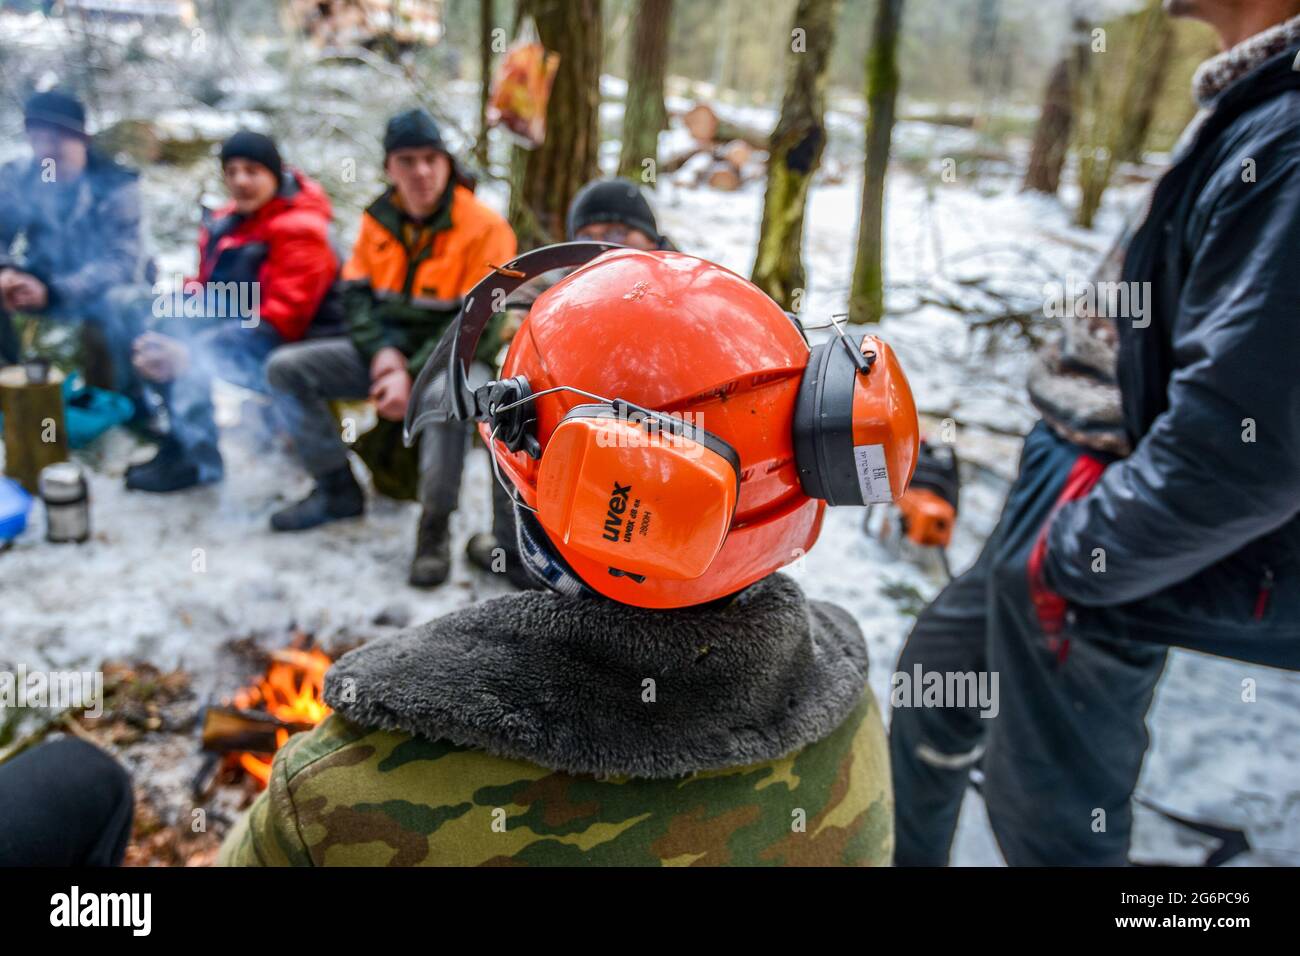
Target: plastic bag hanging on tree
{"points": [[521, 87]]}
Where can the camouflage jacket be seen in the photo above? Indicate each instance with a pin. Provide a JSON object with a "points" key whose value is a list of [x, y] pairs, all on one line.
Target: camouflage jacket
{"points": [[750, 740]]}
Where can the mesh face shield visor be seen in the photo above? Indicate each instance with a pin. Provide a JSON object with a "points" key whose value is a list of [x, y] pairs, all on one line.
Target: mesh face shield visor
{"points": [[441, 391]]}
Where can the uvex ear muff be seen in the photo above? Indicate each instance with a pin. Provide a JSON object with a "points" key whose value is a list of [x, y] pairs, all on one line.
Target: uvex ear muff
{"points": [[855, 426], [643, 493]]}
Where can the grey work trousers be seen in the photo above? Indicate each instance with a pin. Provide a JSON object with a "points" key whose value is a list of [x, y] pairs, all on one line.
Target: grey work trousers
{"points": [[305, 376]]}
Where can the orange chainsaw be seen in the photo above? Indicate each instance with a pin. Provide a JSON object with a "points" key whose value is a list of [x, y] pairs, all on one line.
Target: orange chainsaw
{"points": [[919, 524]]}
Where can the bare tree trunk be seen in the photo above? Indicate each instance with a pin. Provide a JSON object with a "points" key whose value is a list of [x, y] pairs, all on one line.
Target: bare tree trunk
{"points": [[546, 178], [1148, 94], [1056, 120], [644, 114], [795, 152], [867, 294], [984, 44], [1117, 126], [485, 18], [724, 67]]}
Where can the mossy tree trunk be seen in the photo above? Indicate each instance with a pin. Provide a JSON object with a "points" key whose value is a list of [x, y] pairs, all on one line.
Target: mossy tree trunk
{"points": [[1118, 129], [545, 179], [795, 153], [867, 293], [644, 114], [486, 15]]}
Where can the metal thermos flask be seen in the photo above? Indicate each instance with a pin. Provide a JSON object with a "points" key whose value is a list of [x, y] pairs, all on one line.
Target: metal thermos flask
{"points": [[66, 494]]}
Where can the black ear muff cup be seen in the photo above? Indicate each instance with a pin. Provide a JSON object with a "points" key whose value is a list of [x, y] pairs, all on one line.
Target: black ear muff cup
{"points": [[823, 426], [515, 426]]}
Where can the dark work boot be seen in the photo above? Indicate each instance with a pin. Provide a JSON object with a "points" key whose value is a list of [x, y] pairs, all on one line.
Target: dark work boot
{"points": [[432, 561], [486, 552], [481, 549], [336, 496], [175, 468]]}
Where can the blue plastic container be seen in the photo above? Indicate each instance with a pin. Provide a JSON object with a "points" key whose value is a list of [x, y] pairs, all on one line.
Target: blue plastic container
{"points": [[15, 503]]}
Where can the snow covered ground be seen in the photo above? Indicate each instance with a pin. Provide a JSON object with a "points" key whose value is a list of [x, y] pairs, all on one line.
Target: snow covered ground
{"points": [[172, 579]]}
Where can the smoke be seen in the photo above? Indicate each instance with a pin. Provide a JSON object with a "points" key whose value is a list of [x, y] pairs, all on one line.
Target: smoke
{"points": [[220, 328]]}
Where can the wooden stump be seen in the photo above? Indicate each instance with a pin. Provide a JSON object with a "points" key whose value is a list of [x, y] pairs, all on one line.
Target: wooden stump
{"points": [[724, 176], [34, 434]]}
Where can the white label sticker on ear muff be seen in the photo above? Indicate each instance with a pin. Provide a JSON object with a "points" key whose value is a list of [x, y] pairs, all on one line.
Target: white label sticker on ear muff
{"points": [[873, 474]]}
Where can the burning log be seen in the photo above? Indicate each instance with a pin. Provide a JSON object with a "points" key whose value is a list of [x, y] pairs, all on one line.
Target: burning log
{"points": [[260, 718], [231, 730]]}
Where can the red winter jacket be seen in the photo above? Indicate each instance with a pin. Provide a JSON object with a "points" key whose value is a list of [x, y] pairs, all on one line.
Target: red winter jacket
{"points": [[284, 246]]}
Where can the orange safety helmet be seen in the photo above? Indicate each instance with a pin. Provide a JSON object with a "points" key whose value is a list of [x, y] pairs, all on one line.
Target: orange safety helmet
{"points": [[670, 426]]}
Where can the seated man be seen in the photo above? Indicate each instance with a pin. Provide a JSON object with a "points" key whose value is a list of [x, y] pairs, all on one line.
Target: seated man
{"points": [[604, 210], [706, 717], [423, 244], [78, 214], [267, 252]]}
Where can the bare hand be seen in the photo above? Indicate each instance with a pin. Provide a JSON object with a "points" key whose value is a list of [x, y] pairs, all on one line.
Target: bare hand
{"points": [[391, 394], [7, 279], [159, 358], [23, 292]]}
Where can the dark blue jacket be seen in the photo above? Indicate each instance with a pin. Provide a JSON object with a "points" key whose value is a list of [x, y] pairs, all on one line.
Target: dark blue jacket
{"points": [[82, 239], [1199, 526]]}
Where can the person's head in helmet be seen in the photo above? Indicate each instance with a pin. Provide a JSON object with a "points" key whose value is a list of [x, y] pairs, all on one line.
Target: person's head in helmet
{"points": [[674, 523], [613, 210]]}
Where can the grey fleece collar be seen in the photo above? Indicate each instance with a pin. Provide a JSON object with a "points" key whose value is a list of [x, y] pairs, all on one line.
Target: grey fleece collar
{"points": [[1219, 72], [589, 686]]}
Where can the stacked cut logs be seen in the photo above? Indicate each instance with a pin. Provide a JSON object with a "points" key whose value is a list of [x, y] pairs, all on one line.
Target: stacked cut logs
{"points": [[723, 155]]}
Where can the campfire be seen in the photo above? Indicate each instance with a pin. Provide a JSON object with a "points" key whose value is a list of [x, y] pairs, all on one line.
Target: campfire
{"points": [[259, 718]]}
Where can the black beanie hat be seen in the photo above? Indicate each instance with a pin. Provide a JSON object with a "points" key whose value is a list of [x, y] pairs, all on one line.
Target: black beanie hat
{"points": [[612, 200], [255, 146], [57, 110], [413, 128]]}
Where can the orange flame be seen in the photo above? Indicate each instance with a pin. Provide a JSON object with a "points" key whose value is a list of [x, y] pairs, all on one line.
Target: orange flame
{"points": [[293, 689]]}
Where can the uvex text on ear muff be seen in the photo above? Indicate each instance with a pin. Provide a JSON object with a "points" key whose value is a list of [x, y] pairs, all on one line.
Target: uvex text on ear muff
{"points": [[643, 493], [645, 503]]}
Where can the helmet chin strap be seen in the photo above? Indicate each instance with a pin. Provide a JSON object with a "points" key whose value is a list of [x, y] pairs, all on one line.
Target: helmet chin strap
{"points": [[460, 341]]}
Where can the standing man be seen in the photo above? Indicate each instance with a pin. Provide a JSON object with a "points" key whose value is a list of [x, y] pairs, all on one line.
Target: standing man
{"points": [[1158, 501], [79, 215], [423, 244], [269, 246]]}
